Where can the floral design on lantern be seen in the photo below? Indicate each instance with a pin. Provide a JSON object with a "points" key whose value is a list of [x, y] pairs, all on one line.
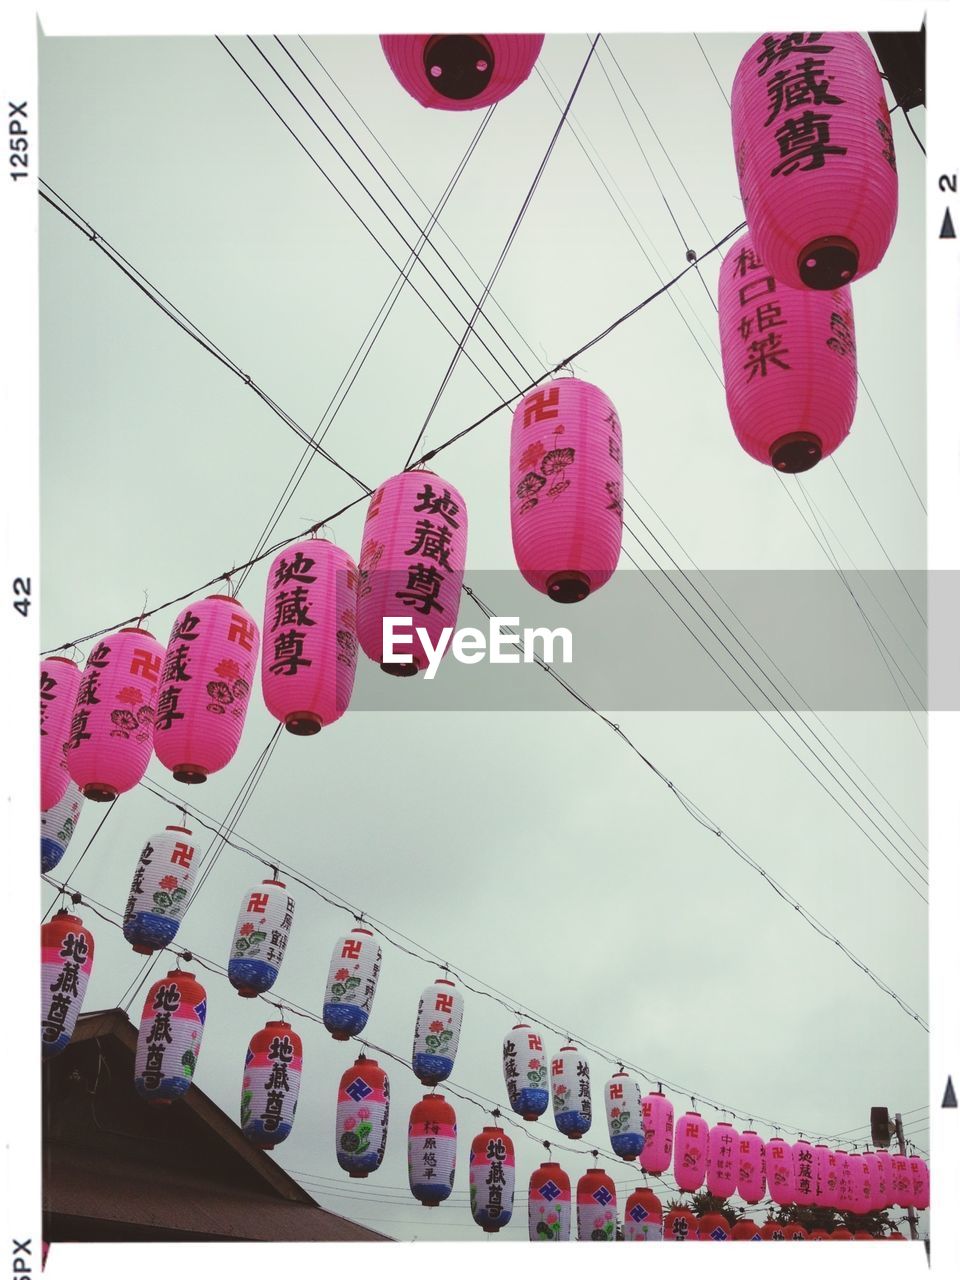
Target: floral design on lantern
{"points": [[624, 1115], [461, 72], [260, 937], [168, 1043], [780, 1172], [160, 890], [525, 1071], [59, 682], [492, 1175], [548, 1204], [437, 1032], [570, 1088], [596, 1206], [690, 1151], [351, 984], [57, 826], [363, 1110], [66, 960], [752, 1174], [432, 1149], [643, 1216], [271, 1085], [658, 1132]]}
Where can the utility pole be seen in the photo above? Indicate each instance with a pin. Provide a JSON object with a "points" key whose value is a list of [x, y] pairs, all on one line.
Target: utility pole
{"points": [[911, 1214]]}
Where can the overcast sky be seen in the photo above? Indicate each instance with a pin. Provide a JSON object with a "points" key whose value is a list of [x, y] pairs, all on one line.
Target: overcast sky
{"points": [[531, 849]]}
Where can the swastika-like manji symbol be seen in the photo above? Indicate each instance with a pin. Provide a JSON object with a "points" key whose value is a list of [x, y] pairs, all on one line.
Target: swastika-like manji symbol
{"points": [[616, 1091], [444, 1004], [556, 1067], [535, 1043], [602, 1196], [351, 949], [638, 1213], [145, 664], [718, 1233], [358, 1090], [542, 405], [550, 1191], [258, 902], [182, 853], [241, 632]]}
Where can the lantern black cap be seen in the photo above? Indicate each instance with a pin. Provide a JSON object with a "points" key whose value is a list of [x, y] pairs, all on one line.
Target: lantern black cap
{"points": [[568, 587], [458, 66], [399, 668], [828, 263], [798, 451]]}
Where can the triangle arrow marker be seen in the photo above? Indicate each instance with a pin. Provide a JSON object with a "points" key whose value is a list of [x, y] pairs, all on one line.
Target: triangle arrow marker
{"points": [[949, 1097], [946, 230]]}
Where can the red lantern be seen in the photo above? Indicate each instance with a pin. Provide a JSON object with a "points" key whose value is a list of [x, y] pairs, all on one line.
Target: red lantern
{"points": [[492, 1175], [723, 1160], [805, 1173], [814, 156], [658, 1132], [643, 1216], [713, 1226], [690, 1151], [208, 671], [548, 1205], [461, 72], [168, 1043], [363, 1109], [271, 1085], [66, 960], [773, 1231], [780, 1175], [432, 1149], [59, 682], [819, 1234], [862, 1235], [109, 744], [841, 1233], [680, 1225], [746, 1229], [752, 1179], [596, 1206], [794, 1231]]}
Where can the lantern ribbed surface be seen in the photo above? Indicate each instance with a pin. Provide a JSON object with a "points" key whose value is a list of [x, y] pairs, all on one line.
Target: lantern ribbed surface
{"points": [[882, 1177], [351, 983], [436, 1035], [874, 1177], [309, 635], [658, 1132], [260, 937], [828, 1167], [814, 156], [690, 1138], [168, 1043], [789, 362], [596, 1206], [844, 1183], [723, 1160], [57, 826], [109, 744], [525, 1071], [861, 1186], [819, 1234], [920, 1175], [745, 1229], [461, 72], [804, 1173], [59, 681], [643, 1216], [566, 488], [624, 1105], [271, 1085], [492, 1179], [752, 1175], [714, 1227], [411, 566], [773, 1231], [208, 671], [548, 1204], [363, 1112], [794, 1231], [160, 891], [901, 1182], [841, 1233], [432, 1149], [780, 1172], [570, 1089], [66, 959], [680, 1225]]}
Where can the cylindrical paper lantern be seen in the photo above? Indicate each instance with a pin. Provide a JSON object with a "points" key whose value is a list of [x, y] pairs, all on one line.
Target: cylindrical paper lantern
{"points": [[411, 568], [680, 1225], [548, 1206], [351, 983], [872, 1179], [828, 1174], [901, 1182], [862, 1235], [66, 959], [57, 826], [437, 1033], [260, 937], [160, 890], [566, 488], [624, 1115], [780, 1172], [920, 1175], [643, 1216], [814, 156], [309, 635], [861, 1188], [794, 1231], [596, 1206], [109, 744], [525, 1072], [171, 1030], [789, 363], [461, 72], [363, 1110], [844, 1178], [819, 1234], [492, 1174], [881, 1180], [804, 1173], [773, 1231], [690, 1151], [59, 682], [658, 1132], [208, 671], [570, 1087], [752, 1178], [271, 1085], [745, 1229], [713, 1226], [723, 1160], [432, 1149], [841, 1233]]}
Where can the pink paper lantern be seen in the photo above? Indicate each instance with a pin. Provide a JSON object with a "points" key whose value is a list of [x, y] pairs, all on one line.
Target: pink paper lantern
{"points": [[690, 1139], [752, 1178], [309, 635], [874, 1178], [882, 1181], [566, 488], [844, 1183], [804, 1173], [901, 1182], [814, 156], [461, 72], [59, 682], [723, 1160], [208, 672], [411, 567], [828, 1174], [861, 1188], [780, 1174], [789, 363], [109, 744], [658, 1132], [920, 1175]]}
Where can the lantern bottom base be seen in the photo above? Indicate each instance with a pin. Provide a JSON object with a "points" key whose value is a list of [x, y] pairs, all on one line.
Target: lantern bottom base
{"points": [[99, 791], [248, 993], [568, 587], [142, 950], [190, 773], [491, 1231], [399, 668], [796, 451], [358, 1173], [303, 723], [340, 1035], [828, 263]]}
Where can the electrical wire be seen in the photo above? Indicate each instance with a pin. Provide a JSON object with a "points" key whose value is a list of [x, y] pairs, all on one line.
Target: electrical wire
{"points": [[86, 848], [710, 65]]}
